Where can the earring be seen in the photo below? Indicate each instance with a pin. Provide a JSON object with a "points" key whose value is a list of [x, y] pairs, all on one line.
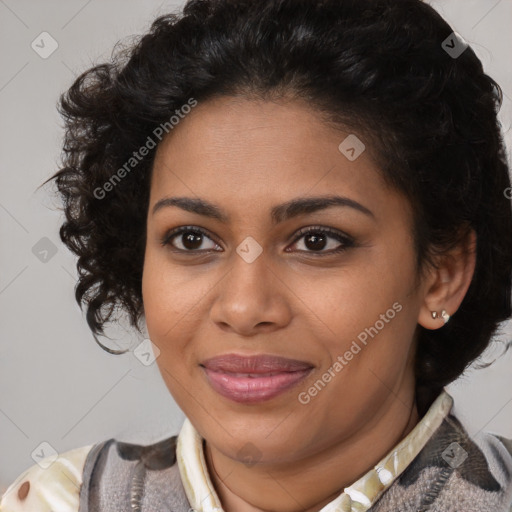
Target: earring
{"points": [[445, 316]]}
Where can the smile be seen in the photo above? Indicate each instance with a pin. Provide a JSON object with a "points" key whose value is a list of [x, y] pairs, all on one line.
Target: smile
{"points": [[255, 387]]}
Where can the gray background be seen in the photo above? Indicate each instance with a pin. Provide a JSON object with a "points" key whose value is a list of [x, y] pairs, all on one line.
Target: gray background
{"points": [[56, 384]]}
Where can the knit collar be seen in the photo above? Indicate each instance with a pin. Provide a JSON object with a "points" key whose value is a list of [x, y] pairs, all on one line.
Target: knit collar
{"points": [[358, 497]]}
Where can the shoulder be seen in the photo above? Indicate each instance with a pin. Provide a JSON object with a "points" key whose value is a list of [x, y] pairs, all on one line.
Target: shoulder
{"points": [[86, 474], [455, 471], [474, 470], [497, 451], [50, 485], [482, 474], [125, 475]]}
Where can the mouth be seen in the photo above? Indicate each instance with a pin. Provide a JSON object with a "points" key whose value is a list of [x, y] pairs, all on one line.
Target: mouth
{"points": [[254, 379]]}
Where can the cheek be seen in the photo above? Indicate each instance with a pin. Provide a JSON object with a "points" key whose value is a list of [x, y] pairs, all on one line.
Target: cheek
{"points": [[343, 303], [164, 297], [174, 308], [167, 321], [155, 302], [158, 298], [368, 315]]}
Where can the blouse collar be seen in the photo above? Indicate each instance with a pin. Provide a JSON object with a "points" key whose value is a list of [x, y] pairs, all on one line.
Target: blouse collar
{"points": [[358, 497]]}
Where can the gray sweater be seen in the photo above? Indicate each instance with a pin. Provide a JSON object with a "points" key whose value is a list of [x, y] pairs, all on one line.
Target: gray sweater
{"points": [[452, 473]]}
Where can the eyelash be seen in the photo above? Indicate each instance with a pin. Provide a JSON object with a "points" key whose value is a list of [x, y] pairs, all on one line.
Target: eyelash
{"points": [[347, 242]]}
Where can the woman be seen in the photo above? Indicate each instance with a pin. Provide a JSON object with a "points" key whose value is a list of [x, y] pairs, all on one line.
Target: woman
{"points": [[305, 202]]}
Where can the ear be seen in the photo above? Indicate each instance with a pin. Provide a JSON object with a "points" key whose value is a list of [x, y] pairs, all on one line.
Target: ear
{"points": [[447, 285]]}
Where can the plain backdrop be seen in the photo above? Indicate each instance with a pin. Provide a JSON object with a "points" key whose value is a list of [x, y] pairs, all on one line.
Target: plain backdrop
{"points": [[56, 384]]}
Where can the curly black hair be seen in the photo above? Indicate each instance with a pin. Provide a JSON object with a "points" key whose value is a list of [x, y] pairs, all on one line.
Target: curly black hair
{"points": [[381, 67]]}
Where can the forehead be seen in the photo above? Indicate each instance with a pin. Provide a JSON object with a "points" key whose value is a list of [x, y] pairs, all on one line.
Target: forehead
{"points": [[242, 125], [242, 152]]}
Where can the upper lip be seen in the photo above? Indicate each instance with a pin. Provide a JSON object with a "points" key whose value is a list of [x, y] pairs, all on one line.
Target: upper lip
{"points": [[263, 363]]}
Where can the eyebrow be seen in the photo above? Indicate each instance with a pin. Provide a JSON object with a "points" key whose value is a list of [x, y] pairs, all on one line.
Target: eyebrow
{"points": [[279, 213]]}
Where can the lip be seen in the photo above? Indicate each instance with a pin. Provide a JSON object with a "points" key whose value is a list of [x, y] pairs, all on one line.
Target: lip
{"points": [[252, 379], [261, 363]]}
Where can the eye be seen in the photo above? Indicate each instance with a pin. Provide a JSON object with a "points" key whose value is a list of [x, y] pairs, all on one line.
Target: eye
{"points": [[191, 239], [316, 238]]}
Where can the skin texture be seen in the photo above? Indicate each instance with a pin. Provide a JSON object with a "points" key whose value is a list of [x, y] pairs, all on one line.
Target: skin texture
{"points": [[246, 156]]}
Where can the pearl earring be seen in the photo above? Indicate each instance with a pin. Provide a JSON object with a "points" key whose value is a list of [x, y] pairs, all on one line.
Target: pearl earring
{"points": [[444, 315]]}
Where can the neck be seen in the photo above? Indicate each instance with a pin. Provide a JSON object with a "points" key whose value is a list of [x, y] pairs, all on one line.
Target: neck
{"points": [[288, 487]]}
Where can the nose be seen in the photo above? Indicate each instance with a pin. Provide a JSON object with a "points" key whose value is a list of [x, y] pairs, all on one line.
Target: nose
{"points": [[251, 298]]}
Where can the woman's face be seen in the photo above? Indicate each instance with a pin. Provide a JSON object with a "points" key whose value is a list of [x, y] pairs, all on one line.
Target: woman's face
{"points": [[252, 284]]}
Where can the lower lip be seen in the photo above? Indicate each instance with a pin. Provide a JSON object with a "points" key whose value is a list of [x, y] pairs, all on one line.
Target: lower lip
{"points": [[254, 389]]}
